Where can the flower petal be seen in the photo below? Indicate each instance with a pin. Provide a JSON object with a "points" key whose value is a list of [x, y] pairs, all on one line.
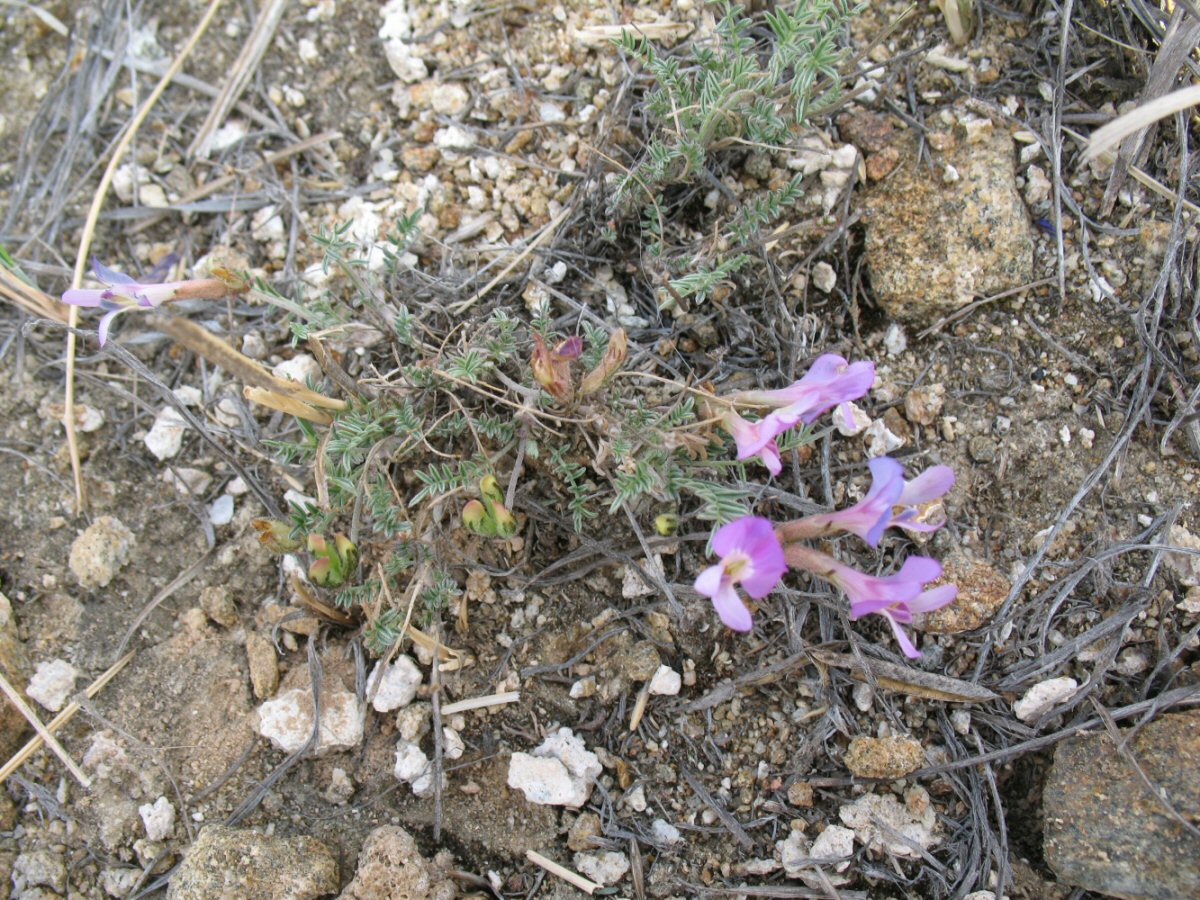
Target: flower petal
{"points": [[927, 487], [903, 640], [710, 580], [110, 276], [83, 297], [106, 323], [934, 598], [732, 610]]}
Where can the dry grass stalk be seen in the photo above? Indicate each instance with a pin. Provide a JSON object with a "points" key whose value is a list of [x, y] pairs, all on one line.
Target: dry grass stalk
{"points": [[29, 298], [1107, 138], [89, 231], [243, 70], [584, 884], [19, 702], [484, 702]]}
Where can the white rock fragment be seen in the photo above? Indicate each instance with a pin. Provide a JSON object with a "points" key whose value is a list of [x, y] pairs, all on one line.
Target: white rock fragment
{"points": [[665, 833], [452, 744], [220, 511], [823, 277], [914, 819], [287, 721], [397, 683], [159, 818], [413, 721], [301, 368], [412, 766], [834, 843], [895, 341], [53, 683], [1185, 565], [1044, 696], [165, 437], [880, 439], [666, 682], [850, 420], [632, 584], [452, 137], [604, 866], [395, 34], [636, 799], [560, 772]]}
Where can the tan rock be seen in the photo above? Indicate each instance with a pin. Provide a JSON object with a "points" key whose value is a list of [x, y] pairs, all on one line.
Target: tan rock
{"points": [[264, 666], [981, 591], [890, 757]]}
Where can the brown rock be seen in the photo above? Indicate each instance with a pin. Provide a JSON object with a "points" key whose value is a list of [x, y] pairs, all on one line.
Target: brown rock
{"points": [[639, 662], [219, 606], [866, 130], [583, 829], [238, 862], [391, 865], [981, 590], [935, 244], [923, 405], [1105, 831], [264, 667], [800, 794], [420, 158], [891, 757], [882, 164]]}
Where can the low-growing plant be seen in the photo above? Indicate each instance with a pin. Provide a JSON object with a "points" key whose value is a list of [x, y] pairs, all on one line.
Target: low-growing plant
{"points": [[728, 93]]}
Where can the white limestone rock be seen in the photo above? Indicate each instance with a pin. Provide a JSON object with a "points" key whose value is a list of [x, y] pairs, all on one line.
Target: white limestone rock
{"points": [[604, 866], [53, 683], [560, 772], [165, 437], [666, 682], [287, 721], [159, 818], [1044, 696], [397, 683]]}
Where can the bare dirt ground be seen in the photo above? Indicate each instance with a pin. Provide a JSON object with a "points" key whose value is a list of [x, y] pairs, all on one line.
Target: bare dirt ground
{"points": [[1058, 380]]}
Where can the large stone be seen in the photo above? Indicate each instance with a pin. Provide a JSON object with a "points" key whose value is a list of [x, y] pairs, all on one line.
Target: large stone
{"points": [[982, 590], [890, 757], [936, 240], [391, 865], [559, 772], [1104, 829], [238, 862]]}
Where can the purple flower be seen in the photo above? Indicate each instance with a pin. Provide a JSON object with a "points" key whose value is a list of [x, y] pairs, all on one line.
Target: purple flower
{"points": [[121, 293], [757, 438], [895, 596], [891, 501], [750, 556], [830, 382]]}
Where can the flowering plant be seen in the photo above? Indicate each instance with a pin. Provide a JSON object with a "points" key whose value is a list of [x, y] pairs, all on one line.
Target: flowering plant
{"points": [[756, 554]]}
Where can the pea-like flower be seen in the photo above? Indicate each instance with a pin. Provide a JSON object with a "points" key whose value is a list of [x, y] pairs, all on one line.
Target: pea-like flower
{"points": [[121, 293], [757, 439], [829, 382], [896, 597], [891, 501], [750, 556]]}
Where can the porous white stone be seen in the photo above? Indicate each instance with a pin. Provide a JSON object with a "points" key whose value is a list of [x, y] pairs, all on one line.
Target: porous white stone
{"points": [[159, 818], [452, 744], [604, 866], [666, 682], [301, 368], [1044, 696], [824, 278], [220, 511], [914, 819], [52, 683], [560, 772], [287, 720], [397, 683]]}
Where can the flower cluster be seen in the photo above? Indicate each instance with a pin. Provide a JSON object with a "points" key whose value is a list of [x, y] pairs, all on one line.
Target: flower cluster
{"points": [[756, 553]]}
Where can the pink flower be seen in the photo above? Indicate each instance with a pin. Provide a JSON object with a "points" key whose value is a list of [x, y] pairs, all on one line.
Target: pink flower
{"points": [[750, 556], [830, 381], [757, 439], [891, 501], [121, 293], [895, 596]]}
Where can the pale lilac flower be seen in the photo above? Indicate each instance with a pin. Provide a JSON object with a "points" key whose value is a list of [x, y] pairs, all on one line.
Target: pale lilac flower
{"points": [[750, 556], [891, 501], [895, 596], [121, 293], [829, 382], [757, 439]]}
